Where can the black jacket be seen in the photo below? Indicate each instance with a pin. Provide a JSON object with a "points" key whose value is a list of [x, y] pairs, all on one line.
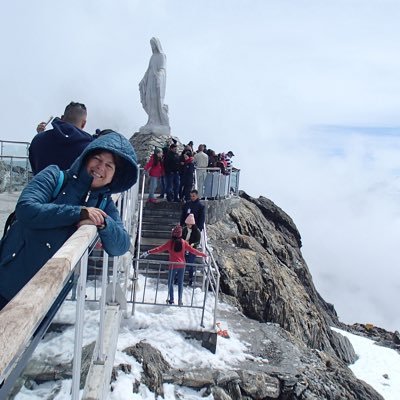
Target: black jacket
{"points": [[195, 236], [59, 146], [197, 209], [171, 162]]}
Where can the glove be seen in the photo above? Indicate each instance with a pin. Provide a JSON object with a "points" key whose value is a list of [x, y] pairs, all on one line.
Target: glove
{"points": [[144, 255]]}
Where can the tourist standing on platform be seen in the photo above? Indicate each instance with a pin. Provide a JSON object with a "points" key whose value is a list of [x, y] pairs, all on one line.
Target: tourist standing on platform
{"points": [[195, 207], [171, 167], [176, 247], [43, 223], [187, 175], [201, 162], [64, 143], [155, 169]]}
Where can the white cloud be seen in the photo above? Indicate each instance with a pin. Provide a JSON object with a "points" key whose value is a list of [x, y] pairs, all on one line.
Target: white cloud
{"points": [[252, 77]]}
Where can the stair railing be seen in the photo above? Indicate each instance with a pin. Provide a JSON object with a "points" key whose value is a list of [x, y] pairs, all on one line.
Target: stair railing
{"points": [[139, 241]]}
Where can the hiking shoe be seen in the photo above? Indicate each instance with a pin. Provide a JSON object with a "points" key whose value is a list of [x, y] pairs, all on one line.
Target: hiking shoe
{"points": [[170, 302], [180, 303]]}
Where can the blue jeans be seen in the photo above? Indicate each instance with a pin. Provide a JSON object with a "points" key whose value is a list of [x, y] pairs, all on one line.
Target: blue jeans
{"points": [[152, 186], [172, 186], [163, 186], [178, 273], [189, 258]]}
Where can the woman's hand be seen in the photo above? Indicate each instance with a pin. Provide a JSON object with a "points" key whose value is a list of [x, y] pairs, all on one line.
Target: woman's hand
{"points": [[93, 214], [86, 221]]}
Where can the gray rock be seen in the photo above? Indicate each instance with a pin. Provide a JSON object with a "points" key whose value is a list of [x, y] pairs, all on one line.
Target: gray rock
{"points": [[258, 385], [154, 365]]}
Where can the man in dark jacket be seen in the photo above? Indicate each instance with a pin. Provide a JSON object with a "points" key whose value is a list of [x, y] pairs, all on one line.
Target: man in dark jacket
{"points": [[172, 166], [195, 207], [64, 143]]}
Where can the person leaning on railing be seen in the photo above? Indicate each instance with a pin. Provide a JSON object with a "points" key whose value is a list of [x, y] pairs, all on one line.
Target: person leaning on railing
{"points": [[108, 165]]}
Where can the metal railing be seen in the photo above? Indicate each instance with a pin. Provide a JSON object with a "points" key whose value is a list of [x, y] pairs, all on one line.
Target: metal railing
{"points": [[16, 169], [209, 271], [212, 184]]}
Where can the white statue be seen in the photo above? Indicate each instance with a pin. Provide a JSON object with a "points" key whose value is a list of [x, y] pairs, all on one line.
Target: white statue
{"points": [[152, 92]]}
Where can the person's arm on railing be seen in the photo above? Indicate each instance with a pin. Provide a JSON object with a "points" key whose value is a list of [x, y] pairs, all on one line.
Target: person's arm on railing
{"points": [[114, 237]]}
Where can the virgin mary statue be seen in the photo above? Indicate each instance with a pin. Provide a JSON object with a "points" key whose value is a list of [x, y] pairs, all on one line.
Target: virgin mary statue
{"points": [[152, 92]]}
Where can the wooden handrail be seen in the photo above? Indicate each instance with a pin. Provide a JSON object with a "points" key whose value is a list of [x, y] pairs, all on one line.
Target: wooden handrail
{"points": [[23, 314]]}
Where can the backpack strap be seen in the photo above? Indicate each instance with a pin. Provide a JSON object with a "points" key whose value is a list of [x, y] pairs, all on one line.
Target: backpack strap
{"points": [[10, 220], [102, 202], [60, 184]]}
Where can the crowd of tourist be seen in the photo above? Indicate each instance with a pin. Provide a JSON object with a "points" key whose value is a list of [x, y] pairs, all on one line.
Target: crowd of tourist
{"points": [[174, 173]]}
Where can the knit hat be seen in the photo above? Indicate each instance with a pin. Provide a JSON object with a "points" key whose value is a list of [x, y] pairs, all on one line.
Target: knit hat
{"points": [[177, 231], [190, 220]]}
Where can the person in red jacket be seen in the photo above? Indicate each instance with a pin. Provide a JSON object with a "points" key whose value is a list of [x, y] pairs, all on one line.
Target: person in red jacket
{"points": [[176, 247], [155, 169]]}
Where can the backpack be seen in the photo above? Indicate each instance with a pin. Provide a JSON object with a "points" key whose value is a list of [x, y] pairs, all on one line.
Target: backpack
{"points": [[62, 181]]}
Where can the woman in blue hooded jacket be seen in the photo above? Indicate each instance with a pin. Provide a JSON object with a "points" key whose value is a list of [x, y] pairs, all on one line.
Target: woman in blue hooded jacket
{"points": [[108, 165]]}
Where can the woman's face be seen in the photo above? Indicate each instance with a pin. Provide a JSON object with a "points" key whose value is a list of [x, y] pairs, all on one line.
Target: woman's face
{"points": [[102, 168]]}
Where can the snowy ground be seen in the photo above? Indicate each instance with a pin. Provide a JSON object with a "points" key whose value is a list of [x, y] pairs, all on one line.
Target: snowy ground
{"points": [[374, 362], [158, 324]]}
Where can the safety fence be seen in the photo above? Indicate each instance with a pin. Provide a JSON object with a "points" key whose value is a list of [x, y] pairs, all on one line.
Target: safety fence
{"points": [[157, 279], [15, 170], [213, 184]]}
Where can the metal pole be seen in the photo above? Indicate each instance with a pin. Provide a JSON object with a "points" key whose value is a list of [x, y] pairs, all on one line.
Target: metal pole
{"points": [[80, 306], [100, 348], [139, 239], [11, 167], [114, 277]]}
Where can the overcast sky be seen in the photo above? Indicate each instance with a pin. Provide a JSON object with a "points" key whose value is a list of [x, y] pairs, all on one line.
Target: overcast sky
{"points": [[306, 94]]}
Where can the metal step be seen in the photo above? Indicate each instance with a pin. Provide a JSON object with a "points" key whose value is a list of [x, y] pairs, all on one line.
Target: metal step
{"points": [[157, 225], [146, 233]]}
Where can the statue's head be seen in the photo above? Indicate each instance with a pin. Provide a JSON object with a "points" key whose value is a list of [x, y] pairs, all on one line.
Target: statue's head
{"points": [[155, 45]]}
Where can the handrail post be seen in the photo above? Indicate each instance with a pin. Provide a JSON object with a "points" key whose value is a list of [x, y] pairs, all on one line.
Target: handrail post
{"points": [[100, 358], [11, 168], [80, 308], [139, 240], [229, 182]]}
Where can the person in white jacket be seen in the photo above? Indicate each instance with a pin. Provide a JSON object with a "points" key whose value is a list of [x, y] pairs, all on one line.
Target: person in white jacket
{"points": [[201, 161]]}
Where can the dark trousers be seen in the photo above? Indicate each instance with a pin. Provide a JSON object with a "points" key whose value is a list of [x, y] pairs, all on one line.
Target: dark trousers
{"points": [[163, 186], [189, 258], [172, 186], [178, 274]]}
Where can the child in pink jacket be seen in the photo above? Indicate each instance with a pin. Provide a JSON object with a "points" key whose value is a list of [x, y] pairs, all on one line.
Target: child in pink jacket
{"points": [[176, 247]]}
